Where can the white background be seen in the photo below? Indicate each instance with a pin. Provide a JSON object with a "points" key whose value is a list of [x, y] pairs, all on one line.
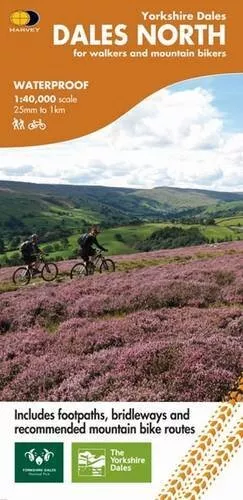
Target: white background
{"points": [[167, 452]]}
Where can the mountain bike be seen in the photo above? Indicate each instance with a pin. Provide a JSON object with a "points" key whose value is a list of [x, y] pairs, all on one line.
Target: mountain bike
{"points": [[99, 262], [37, 124], [48, 271]]}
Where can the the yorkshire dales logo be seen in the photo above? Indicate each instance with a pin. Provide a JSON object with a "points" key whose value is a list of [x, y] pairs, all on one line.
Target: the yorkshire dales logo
{"points": [[92, 462], [24, 21], [111, 462], [38, 462]]}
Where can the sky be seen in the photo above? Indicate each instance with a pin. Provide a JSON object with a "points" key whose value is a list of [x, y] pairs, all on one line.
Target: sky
{"points": [[188, 135]]}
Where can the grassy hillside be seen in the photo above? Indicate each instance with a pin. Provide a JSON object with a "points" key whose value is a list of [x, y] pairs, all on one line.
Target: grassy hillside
{"points": [[187, 198], [58, 213], [24, 205], [126, 239], [232, 222]]}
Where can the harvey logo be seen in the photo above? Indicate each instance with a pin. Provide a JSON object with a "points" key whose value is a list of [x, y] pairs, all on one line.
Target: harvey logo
{"points": [[38, 462], [24, 21]]}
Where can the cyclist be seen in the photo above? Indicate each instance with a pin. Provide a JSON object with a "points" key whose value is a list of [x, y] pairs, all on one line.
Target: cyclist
{"points": [[30, 251], [86, 242]]}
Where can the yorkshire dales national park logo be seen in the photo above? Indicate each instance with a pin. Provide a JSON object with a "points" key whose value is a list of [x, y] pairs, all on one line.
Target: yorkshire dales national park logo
{"points": [[44, 456], [38, 462], [24, 21]]}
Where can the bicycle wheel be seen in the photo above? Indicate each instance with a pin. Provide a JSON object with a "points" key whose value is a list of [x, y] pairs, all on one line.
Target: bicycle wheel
{"points": [[107, 266], [21, 276], [49, 271], [78, 271]]}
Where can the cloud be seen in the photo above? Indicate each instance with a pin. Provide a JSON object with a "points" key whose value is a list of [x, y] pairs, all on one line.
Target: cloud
{"points": [[17, 171], [174, 137], [185, 119]]}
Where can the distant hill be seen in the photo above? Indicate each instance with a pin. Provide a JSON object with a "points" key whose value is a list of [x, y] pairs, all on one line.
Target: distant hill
{"points": [[187, 198], [56, 211]]}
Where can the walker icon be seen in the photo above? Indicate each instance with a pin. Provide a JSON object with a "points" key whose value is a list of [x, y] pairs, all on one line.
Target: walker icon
{"points": [[92, 462]]}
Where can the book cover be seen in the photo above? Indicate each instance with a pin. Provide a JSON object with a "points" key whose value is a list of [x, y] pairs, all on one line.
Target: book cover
{"points": [[121, 250]]}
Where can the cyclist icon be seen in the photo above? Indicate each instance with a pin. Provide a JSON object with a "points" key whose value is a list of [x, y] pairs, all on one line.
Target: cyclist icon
{"points": [[37, 124]]}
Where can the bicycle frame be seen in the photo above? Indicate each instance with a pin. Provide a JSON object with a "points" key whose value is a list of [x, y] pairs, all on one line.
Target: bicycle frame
{"points": [[99, 256], [92, 263], [39, 260]]}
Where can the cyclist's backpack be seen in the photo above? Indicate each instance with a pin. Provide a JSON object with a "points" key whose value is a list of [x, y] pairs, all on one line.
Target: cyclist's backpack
{"points": [[25, 246], [82, 239]]}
